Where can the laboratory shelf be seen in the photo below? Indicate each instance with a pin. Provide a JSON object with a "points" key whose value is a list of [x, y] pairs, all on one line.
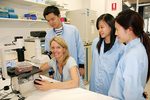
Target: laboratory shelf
{"points": [[23, 20], [27, 3], [22, 23], [23, 7], [32, 4]]}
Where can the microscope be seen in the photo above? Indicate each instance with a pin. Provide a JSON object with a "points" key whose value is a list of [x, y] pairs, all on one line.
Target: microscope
{"points": [[24, 73], [39, 57], [18, 45]]}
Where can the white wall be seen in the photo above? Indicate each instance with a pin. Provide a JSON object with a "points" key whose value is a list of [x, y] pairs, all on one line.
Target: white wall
{"points": [[86, 4], [10, 28], [109, 7], [105, 6], [98, 5], [7, 34], [101, 6], [70, 4]]}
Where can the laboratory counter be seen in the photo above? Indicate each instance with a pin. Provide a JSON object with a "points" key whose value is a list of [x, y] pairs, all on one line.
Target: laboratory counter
{"points": [[58, 94], [67, 94]]}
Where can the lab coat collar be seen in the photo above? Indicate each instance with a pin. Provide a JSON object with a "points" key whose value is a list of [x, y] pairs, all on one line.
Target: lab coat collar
{"points": [[62, 29], [132, 43], [111, 50]]}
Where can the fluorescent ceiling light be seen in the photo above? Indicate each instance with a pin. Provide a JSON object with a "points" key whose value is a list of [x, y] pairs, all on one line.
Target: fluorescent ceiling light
{"points": [[127, 3], [132, 8]]}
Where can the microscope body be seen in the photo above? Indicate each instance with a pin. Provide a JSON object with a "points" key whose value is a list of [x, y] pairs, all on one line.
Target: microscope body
{"points": [[23, 81]]}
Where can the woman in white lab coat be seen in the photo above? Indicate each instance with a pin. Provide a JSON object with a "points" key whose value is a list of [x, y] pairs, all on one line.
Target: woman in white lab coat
{"points": [[130, 77], [65, 68], [106, 52]]}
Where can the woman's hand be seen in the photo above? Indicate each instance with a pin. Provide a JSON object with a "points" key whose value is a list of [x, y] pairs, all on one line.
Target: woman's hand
{"points": [[44, 85]]}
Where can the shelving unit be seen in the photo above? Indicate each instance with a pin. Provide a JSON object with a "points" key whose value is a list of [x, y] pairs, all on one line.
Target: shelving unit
{"points": [[32, 3], [23, 20], [21, 23], [27, 3], [24, 6]]}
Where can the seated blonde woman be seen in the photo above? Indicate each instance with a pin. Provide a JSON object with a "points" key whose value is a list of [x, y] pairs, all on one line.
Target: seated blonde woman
{"points": [[65, 68]]}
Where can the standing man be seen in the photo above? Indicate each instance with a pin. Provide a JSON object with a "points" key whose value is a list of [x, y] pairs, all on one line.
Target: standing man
{"points": [[68, 32]]}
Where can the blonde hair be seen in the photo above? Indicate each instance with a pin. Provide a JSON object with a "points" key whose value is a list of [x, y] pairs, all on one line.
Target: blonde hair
{"points": [[63, 44]]}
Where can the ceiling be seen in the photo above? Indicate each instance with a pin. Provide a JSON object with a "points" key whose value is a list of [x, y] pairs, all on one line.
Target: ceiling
{"points": [[140, 1], [146, 9]]}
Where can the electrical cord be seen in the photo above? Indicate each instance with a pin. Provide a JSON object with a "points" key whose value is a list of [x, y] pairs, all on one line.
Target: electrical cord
{"points": [[17, 93], [3, 98], [5, 88]]}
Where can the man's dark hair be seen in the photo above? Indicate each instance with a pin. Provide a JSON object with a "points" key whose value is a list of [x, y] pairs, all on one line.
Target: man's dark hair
{"points": [[51, 9]]}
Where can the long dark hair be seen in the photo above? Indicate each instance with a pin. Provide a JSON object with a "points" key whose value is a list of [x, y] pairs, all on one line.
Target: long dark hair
{"points": [[129, 18], [146, 43], [109, 19]]}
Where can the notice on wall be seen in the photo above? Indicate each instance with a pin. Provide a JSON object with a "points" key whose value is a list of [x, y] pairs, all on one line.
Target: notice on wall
{"points": [[114, 6]]}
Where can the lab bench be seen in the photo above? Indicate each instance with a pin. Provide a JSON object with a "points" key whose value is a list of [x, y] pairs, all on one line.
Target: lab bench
{"points": [[60, 94]]}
